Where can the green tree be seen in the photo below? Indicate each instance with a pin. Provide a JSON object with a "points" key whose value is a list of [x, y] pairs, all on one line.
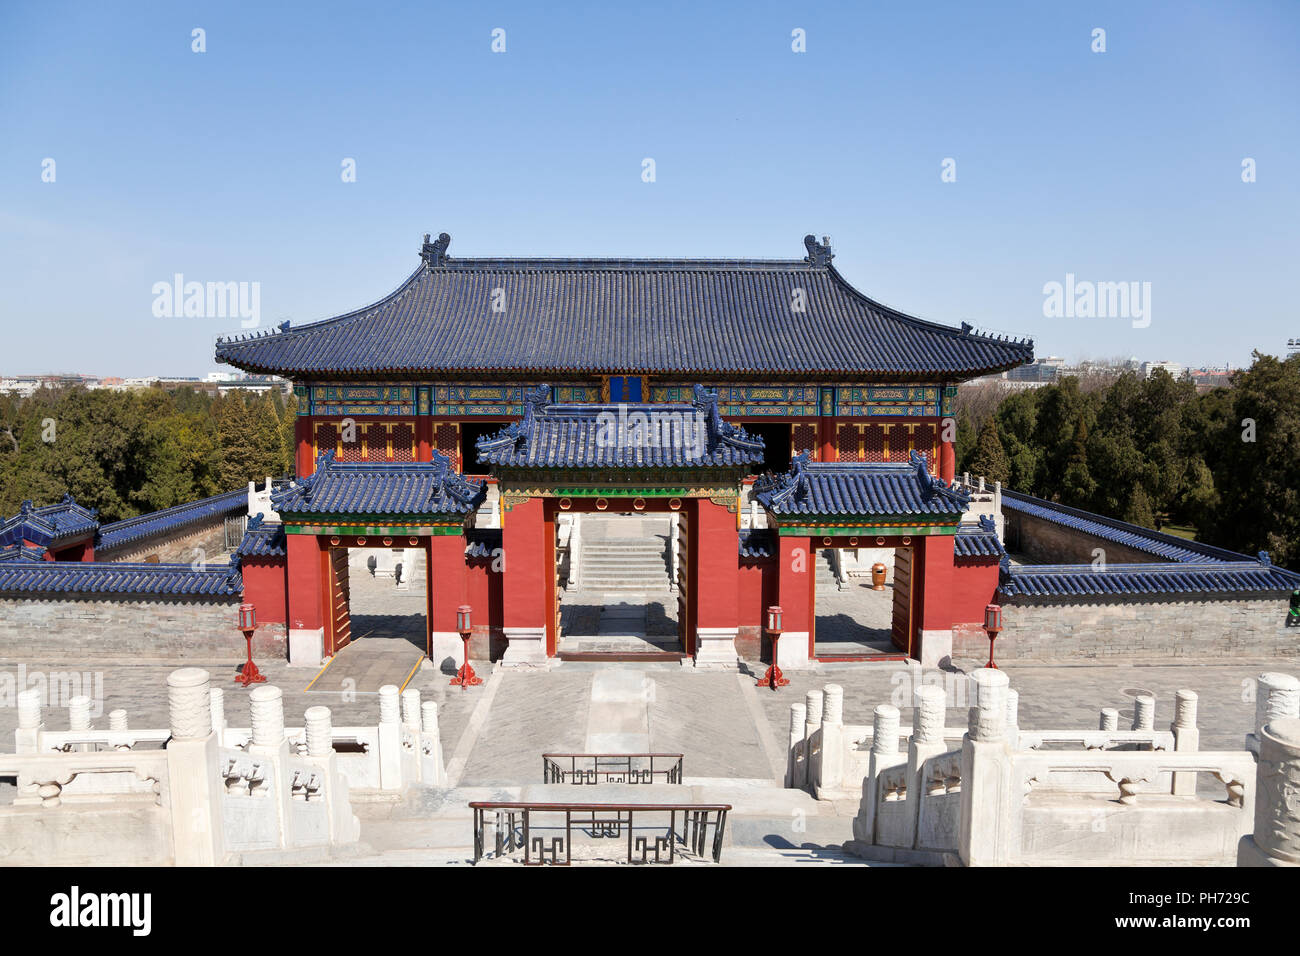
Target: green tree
{"points": [[990, 458], [240, 458]]}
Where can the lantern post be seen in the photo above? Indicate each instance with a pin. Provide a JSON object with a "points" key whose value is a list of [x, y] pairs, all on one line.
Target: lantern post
{"points": [[248, 624], [773, 676], [992, 625], [465, 677]]}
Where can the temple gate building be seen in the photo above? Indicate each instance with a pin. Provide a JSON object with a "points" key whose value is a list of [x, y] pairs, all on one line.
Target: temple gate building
{"points": [[552, 387]]}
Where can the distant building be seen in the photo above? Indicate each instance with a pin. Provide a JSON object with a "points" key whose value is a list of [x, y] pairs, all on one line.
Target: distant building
{"points": [[1292, 347], [1173, 368]]}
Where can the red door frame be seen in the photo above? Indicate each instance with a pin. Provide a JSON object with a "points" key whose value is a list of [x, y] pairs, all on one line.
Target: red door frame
{"points": [[867, 541], [615, 504]]}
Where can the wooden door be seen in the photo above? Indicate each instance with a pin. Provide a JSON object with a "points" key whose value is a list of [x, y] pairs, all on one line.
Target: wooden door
{"points": [[340, 594], [901, 628]]}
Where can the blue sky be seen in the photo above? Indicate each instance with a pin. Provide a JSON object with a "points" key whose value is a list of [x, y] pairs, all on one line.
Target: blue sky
{"points": [[225, 165]]}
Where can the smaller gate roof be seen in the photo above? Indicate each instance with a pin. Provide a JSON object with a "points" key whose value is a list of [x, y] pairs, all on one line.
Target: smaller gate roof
{"points": [[858, 488], [49, 526], [403, 488], [632, 435]]}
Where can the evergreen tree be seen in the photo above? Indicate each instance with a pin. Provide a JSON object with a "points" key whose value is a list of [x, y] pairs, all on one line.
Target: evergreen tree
{"points": [[990, 458], [240, 457], [1139, 509]]}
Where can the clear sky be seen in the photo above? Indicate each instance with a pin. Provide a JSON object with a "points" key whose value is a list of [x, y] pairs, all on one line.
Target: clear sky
{"points": [[226, 165]]}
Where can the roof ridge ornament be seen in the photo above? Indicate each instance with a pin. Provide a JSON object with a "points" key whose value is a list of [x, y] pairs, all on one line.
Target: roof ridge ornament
{"points": [[932, 485], [720, 430], [780, 488], [434, 253], [819, 253]]}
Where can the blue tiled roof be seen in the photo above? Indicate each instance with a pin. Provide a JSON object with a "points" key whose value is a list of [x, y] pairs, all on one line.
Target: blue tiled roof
{"points": [[131, 530], [978, 541], [683, 316], [408, 488], [621, 436], [1157, 543], [1155, 578], [262, 540], [758, 543], [49, 525], [21, 552], [111, 577], [858, 488], [482, 542]]}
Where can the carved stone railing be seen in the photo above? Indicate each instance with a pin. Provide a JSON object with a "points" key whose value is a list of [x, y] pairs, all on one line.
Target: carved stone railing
{"points": [[592, 769], [546, 831]]}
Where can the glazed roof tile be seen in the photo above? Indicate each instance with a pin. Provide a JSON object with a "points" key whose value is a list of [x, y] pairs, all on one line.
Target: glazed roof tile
{"points": [[1056, 580], [262, 540], [49, 525], [131, 530], [621, 436], [408, 488], [110, 577], [681, 316], [858, 488]]}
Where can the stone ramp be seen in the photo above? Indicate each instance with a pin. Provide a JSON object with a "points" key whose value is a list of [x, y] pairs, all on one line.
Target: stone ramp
{"points": [[366, 665]]}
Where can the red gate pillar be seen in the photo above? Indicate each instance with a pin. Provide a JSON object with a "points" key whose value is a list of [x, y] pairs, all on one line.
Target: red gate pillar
{"points": [[307, 589], [445, 581], [947, 461], [304, 460], [936, 599], [528, 595], [795, 589], [717, 584]]}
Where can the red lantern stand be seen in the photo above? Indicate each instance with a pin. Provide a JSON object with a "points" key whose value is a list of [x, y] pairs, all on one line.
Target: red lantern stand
{"points": [[992, 625], [773, 676], [465, 677], [248, 623]]}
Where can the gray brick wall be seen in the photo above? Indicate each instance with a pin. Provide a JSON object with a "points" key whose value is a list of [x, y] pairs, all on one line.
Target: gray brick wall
{"points": [[61, 626], [1129, 626]]}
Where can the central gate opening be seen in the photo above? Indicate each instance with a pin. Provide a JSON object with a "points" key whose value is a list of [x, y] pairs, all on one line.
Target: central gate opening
{"points": [[852, 619], [621, 582], [377, 614]]}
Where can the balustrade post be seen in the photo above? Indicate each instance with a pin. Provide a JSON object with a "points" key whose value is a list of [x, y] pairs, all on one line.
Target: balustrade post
{"points": [[1277, 696], [986, 826], [27, 736], [795, 774], [1109, 719], [1144, 712], [812, 739], [832, 738], [390, 738], [1186, 738], [1276, 840], [194, 778], [217, 707], [930, 707]]}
